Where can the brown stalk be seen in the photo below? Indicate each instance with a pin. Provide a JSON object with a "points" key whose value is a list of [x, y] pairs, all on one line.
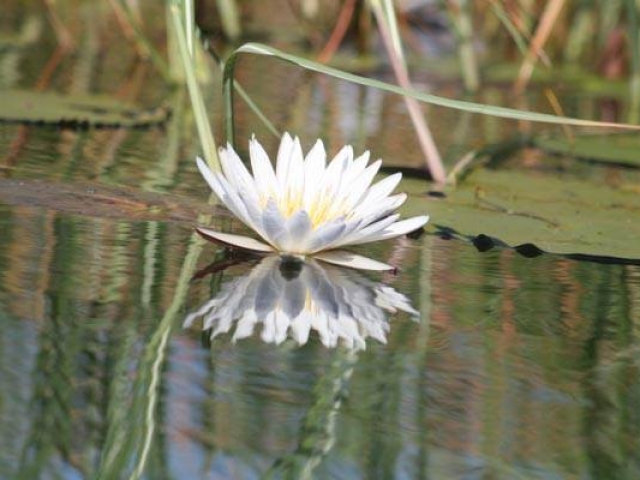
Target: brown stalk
{"points": [[338, 33], [540, 37], [65, 39], [558, 110], [427, 144]]}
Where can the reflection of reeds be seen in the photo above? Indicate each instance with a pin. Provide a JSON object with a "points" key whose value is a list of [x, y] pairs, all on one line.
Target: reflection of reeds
{"points": [[119, 455], [131, 21], [26, 288], [462, 21], [65, 39], [317, 435], [525, 342]]}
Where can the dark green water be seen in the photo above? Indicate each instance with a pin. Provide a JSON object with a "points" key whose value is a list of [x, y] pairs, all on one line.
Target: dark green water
{"points": [[518, 368]]}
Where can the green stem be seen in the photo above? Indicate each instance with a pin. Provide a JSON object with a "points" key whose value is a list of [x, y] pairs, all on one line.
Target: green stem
{"points": [[465, 46], [202, 120], [230, 18]]}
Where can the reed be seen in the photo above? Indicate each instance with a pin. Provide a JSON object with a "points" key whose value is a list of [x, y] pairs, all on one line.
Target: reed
{"points": [[462, 21], [388, 26], [186, 50]]}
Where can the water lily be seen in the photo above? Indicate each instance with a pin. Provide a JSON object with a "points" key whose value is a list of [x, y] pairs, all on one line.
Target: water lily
{"points": [[307, 207], [291, 298]]}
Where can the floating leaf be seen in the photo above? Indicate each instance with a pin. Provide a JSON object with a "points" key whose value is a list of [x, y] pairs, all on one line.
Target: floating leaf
{"points": [[518, 208], [619, 148], [74, 111]]}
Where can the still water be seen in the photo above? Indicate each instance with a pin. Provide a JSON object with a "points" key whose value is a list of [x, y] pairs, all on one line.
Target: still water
{"points": [[462, 365], [517, 368]]}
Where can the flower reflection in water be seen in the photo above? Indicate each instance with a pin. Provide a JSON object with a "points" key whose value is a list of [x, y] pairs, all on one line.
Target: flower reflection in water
{"points": [[291, 297]]}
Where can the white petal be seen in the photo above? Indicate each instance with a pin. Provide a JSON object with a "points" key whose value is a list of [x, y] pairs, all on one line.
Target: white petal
{"points": [[284, 157], [362, 183], [273, 223], [383, 188], [295, 177], [234, 240], [210, 177], [351, 260], [316, 160], [373, 212], [354, 168], [298, 227], [326, 235], [405, 226], [230, 163], [361, 235], [248, 213], [228, 195], [361, 162], [263, 174], [394, 230], [335, 171], [238, 176], [314, 166]]}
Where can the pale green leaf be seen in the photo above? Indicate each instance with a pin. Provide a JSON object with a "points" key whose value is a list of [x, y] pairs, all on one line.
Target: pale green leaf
{"points": [[77, 110], [620, 149], [560, 216]]}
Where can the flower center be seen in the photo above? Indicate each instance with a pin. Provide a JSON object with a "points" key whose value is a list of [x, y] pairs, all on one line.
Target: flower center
{"points": [[320, 209]]}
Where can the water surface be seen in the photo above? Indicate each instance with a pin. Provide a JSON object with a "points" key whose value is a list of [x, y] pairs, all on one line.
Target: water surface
{"points": [[518, 367]]}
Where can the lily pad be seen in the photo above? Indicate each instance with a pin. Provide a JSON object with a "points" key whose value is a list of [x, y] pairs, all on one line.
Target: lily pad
{"points": [[74, 111], [517, 208], [621, 149]]}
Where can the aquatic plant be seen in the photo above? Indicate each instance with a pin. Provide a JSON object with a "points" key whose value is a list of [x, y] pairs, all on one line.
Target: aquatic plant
{"points": [[306, 207]]}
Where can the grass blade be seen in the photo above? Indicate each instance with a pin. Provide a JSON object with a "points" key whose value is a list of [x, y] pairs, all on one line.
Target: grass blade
{"points": [[210, 150], [460, 15], [472, 107]]}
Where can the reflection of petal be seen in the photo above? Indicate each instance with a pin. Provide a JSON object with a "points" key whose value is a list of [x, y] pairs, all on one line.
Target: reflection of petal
{"points": [[293, 300], [290, 298], [351, 260], [244, 327], [301, 328], [241, 241]]}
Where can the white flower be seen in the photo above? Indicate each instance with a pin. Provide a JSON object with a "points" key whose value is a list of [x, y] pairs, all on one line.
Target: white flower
{"points": [[306, 207], [292, 297]]}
